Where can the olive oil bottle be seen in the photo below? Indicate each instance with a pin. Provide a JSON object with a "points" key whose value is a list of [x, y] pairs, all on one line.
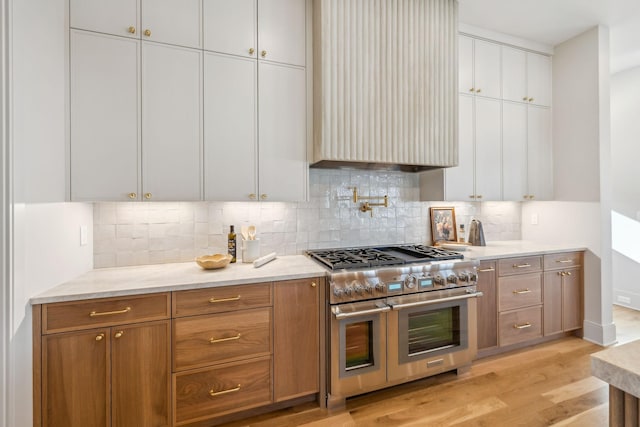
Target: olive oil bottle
{"points": [[231, 243]]}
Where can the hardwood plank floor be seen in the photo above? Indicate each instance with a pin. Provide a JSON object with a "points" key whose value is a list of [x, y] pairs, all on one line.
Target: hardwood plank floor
{"points": [[546, 385]]}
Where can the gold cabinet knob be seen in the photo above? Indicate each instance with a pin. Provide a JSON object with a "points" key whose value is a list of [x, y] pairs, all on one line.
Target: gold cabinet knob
{"points": [[525, 98], [479, 196], [132, 29], [263, 53], [132, 195], [99, 337], [147, 33], [531, 196], [313, 284], [148, 196], [472, 196], [252, 196], [530, 99], [251, 51], [119, 334], [472, 89], [478, 90], [263, 197]]}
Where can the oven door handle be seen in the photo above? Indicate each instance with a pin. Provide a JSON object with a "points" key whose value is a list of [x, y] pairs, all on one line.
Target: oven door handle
{"points": [[361, 312], [435, 301]]}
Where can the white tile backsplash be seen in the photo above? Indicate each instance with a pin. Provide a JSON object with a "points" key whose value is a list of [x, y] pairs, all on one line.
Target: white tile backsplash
{"points": [[137, 233]]}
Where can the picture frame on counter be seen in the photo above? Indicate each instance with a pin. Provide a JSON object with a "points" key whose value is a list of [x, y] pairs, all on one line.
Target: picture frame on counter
{"points": [[443, 225]]}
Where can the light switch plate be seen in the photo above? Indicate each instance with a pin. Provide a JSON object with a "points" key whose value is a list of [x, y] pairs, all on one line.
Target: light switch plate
{"points": [[534, 219]]}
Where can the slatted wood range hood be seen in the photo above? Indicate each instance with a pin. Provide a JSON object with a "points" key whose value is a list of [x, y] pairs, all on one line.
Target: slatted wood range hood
{"points": [[385, 84]]}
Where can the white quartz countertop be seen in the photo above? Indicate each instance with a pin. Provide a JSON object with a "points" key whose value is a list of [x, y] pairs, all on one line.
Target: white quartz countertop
{"points": [[619, 367], [513, 248], [110, 282]]}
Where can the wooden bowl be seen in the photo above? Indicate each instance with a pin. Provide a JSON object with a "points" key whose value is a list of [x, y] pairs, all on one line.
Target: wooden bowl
{"points": [[212, 262]]}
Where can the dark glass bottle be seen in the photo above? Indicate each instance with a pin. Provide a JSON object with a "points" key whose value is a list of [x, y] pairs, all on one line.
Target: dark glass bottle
{"points": [[231, 244]]}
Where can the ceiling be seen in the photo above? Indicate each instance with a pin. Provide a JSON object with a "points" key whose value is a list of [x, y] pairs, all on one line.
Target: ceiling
{"points": [[553, 21]]}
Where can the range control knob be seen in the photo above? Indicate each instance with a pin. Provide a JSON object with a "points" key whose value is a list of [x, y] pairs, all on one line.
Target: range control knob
{"points": [[359, 289], [463, 277], [452, 279], [473, 277], [380, 287], [410, 281], [438, 280], [368, 288], [338, 292], [348, 291]]}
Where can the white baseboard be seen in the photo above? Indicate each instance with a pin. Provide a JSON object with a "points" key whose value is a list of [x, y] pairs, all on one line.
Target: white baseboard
{"points": [[604, 335]]}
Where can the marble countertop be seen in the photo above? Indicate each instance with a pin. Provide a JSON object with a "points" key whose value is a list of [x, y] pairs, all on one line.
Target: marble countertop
{"points": [[512, 248], [619, 367], [119, 281]]}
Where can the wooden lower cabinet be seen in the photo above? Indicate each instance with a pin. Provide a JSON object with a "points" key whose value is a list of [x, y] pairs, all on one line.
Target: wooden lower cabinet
{"points": [[562, 300], [520, 325], [116, 376], [487, 306]]}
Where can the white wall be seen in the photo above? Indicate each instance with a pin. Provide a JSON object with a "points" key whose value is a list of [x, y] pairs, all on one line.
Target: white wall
{"points": [[625, 152]]}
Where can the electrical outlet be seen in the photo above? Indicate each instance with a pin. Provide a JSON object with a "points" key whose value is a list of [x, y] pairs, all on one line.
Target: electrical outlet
{"points": [[83, 235], [624, 300], [534, 219]]}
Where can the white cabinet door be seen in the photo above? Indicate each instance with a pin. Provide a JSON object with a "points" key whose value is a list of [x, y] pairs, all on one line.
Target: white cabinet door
{"points": [[282, 31], [514, 151], [539, 79], [171, 21], [459, 180], [104, 116], [540, 156], [488, 149], [171, 122], [465, 64], [514, 74], [282, 132], [231, 26], [119, 17], [230, 142], [486, 70]]}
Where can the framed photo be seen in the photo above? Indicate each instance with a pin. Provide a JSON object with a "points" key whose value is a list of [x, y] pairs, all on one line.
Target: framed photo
{"points": [[443, 225]]}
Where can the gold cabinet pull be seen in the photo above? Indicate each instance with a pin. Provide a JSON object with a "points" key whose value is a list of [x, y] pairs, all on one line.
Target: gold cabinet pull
{"points": [[313, 284], [472, 89], [132, 29], [568, 273], [525, 98], [564, 261], [522, 291], [522, 326], [479, 196], [560, 273], [251, 51], [119, 334], [218, 393], [263, 53], [263, 197], [132, 195], [486, 270], [478, 90], [217, 340], [530, 99], [521, 265], [214, 300], [531, 197], [148, 196], [147, 33], [109, 313], [252, 196], [99, 337]]}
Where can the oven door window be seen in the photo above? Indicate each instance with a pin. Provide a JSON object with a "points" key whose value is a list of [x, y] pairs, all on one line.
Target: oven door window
{"points": [[359, 345], [432, 330]]}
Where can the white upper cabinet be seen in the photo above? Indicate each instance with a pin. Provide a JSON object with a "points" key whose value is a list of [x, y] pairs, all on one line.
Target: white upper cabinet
{"points": [[104, 116], [166, 21], [172, 21], [282, 31], [171, 122], [488, 135], [231, 26], [459, 180], [230, 145], [282, 131], [539, 154], [479, 71], [118, 17], [514, 151], [526, 76]]}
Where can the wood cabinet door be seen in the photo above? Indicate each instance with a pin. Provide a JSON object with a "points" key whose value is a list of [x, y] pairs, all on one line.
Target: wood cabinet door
{"points": [[230, 126], [231, 27], [296, 338], [171, 21], [488, 177], [539, 153], [111, 17], [487, 306], [282, 133], [465, 65], [76, 379], [572, 299], [539, 79], [459, 181], [552, 302], [514, 74], [141, 375], [105, 111], [486, 68], [171, 122], [282, 31], [514, 151]]}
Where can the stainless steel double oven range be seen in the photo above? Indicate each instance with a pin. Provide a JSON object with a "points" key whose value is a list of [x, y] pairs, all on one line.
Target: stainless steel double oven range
{"points": [[396, 313]]}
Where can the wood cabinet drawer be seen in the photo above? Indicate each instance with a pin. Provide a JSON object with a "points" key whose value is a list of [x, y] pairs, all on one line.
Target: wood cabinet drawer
{"points": [[523, 290], [509, 266], [74, 315], [563, 260], [217, 338], [521, 325], [221, 299], [209, 393]]}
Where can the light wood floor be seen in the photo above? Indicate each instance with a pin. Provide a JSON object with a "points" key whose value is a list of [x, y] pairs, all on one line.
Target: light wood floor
{"points": [[547, 385]]}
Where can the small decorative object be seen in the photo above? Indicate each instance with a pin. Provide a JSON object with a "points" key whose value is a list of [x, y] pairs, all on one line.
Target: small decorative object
{"points": [[443, 225], [212, 262]]}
